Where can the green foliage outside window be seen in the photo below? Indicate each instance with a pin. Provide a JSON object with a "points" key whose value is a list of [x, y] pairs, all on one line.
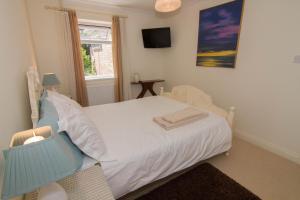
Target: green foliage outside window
{"points": [[89, 69]]}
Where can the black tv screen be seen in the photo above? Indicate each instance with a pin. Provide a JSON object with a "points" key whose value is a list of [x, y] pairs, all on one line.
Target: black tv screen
{"points": [[157, 37]]}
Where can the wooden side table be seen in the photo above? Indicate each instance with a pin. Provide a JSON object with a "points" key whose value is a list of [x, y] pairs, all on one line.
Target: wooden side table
{"points": [[147, 85]]}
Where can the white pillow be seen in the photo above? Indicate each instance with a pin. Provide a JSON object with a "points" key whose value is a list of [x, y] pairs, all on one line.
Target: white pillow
{"points": [[84, 134], [55, 96], [63, 105], [79, 127]]}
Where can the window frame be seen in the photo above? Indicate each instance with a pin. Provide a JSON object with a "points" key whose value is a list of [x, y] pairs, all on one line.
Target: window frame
{"points": [[98, 24]]}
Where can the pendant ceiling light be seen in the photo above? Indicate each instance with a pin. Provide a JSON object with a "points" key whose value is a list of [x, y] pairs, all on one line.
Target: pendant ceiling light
{"points": [[167, 5]]}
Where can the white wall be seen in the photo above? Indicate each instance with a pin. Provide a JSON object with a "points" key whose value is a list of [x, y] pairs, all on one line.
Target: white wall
{"points": [[51, 49], [265, 84], [15, 58], [49, 41], [149, 63], [100, 91]]}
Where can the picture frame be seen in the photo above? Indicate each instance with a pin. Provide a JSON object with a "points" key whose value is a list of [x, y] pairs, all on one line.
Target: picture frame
{"points": [[218, 36]]}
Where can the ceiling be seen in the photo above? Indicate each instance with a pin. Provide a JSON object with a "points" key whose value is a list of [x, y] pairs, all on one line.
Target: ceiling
{"points": [[138, 4]]}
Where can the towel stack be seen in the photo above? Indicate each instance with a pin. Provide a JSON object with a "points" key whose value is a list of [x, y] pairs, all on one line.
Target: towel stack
{"points": [[180, 118]]}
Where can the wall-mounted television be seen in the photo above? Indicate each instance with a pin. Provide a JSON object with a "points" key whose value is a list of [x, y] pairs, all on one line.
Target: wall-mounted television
{"points": [[157, 37]]}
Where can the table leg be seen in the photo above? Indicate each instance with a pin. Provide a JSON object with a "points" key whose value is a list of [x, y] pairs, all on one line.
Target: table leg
{"points": [[149, 86], [143, 92], [152, 91], [145, 88]]}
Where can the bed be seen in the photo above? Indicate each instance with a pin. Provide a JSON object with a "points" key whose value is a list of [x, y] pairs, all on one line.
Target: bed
{"points": [[141, 152]]}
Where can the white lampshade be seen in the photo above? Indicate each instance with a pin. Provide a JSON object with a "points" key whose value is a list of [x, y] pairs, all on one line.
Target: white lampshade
{"points": [[167, 5]]}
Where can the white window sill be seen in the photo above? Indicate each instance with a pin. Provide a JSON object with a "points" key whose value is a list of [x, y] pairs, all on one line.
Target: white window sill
{"points": [[95, 78]]}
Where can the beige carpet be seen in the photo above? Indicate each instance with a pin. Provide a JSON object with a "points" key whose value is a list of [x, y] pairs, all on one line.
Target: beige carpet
{"points": [[265, 174]]}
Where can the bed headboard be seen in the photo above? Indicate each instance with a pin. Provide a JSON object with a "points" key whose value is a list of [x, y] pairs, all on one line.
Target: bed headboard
{"points": [[196, 97], [35, 90]]}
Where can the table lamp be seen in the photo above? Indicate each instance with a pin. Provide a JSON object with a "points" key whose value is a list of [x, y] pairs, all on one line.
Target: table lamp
{"points": [[34, 138], [39, 164], [52, 190], [50, 81]]}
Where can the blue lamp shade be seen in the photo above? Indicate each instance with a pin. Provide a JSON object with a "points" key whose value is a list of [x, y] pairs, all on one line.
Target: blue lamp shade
{"points": [[50, 79], [31, 166]]}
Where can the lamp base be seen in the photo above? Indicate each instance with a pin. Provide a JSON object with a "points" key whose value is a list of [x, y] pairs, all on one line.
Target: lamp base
{"points": [[52, 191], [51, 88]]}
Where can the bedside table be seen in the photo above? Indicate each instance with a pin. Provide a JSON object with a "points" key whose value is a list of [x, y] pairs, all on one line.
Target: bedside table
{"points": [[89, 184]]}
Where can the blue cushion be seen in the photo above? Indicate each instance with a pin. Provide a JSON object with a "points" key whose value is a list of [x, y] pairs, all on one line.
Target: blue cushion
{"points": [[48, 114], [44, 95]]}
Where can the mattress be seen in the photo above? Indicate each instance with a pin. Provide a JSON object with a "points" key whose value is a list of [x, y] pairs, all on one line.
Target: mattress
{"points": [[142, 152]]}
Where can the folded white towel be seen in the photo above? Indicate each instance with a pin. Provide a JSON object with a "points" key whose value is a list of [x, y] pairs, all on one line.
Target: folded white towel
{"points": [[179, 119], [185, 114]]}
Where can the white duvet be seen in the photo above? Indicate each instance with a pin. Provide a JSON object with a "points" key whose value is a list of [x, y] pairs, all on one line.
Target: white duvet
{"points": [[142, 152]]}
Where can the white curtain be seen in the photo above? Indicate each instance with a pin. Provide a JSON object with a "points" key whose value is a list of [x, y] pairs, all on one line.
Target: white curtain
{"points": [[65, 52], [127, 91]]}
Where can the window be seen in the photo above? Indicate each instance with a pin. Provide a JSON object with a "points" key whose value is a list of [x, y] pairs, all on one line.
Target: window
{"points": [[96, 49]]}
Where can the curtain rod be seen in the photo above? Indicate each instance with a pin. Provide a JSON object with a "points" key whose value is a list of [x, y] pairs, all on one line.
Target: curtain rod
{"points": [[86, 11]]}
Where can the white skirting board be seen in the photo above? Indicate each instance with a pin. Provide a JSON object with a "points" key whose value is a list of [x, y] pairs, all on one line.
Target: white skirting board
{"points": [[292, 156]]}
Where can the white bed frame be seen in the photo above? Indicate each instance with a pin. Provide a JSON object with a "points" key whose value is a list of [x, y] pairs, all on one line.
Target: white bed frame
{"points": [[35, 90], [196, 97]]}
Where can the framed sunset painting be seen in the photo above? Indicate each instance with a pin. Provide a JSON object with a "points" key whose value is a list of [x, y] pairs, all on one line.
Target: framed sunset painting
{"points": [[219, 29]]}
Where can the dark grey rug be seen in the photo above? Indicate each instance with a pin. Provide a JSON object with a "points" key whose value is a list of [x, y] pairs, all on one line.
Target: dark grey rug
{"points": [[205, 182]]}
